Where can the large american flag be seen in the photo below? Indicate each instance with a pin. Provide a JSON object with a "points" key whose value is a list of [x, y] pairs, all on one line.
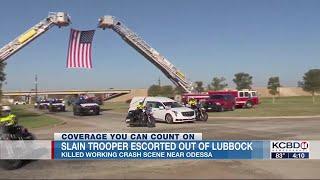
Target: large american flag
{"points": [[79, 52]]}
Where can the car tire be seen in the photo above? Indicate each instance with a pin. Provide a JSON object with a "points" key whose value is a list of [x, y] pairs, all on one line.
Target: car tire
{"points": [[97, 112], [233, 108], [204, 116], [11, 164], [221, 109], [75, 113], [249, 104], [169, 119]]}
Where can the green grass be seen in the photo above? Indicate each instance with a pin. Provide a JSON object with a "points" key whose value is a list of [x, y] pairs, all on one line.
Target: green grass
{"points": [[284, 106], [33, 120], [115, 106]]}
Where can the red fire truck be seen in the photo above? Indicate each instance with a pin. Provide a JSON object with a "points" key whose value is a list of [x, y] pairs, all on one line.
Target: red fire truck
{"points": [[244, 98]]}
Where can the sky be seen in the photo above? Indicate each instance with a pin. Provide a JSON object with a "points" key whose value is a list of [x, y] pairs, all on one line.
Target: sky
{"points": [[202, 38]]}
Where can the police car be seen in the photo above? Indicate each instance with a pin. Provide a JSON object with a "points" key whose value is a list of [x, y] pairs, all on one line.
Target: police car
{"points": [[42, 104], [57, 105], [85, 106]]}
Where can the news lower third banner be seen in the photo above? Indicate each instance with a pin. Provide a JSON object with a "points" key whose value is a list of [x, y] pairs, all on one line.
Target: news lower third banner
{"points": [[104, 146]]}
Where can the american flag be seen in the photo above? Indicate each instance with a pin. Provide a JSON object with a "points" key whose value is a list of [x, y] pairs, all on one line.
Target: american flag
{"points": [[79, 52]]}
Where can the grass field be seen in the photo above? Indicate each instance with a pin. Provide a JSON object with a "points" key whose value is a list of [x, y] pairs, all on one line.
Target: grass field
{"points": [[284, 106], [32, 120], [115, 106]]}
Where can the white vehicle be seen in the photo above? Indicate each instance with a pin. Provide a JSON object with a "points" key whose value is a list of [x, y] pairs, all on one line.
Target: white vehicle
{"points": [[19, 103], [57, 105], [165, 109]]}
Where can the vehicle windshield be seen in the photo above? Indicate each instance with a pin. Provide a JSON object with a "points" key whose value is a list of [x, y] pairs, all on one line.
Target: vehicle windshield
{"points": [[172, 104], [44, 101], [216, 97], [84, 101], [57, 101]]}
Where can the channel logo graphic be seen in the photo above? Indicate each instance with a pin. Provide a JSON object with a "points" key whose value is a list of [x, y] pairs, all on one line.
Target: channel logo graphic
{"points": [[289, 146]]}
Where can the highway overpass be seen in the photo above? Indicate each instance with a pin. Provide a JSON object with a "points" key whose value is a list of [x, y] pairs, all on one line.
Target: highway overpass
{"points": [[115, 95], [65, 92]]}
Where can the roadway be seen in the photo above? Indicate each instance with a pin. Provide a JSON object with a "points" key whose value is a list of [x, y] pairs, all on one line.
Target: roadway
{"points": [[247, 129]]}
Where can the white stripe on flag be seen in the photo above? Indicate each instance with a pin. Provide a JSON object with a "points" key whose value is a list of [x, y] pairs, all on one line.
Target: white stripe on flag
{"points": [[79, 53]]}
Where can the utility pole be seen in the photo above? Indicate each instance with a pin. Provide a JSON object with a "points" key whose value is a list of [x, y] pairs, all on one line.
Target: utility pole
{"points": [[159, 82], [36, 86]]}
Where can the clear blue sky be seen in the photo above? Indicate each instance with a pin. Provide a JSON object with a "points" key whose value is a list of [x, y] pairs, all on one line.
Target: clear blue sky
{"points": [[202, 38]]}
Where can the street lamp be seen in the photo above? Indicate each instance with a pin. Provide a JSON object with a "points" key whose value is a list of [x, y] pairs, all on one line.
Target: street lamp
{"points": [[36, 86]]}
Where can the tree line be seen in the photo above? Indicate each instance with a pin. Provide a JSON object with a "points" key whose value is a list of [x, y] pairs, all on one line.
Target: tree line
{"points": [[310, 82]]}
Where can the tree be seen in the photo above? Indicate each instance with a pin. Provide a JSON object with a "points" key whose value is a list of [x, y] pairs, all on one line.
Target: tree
{"points": [[199, 86], [154, 90], [218, 83], [179, 90], [167, 91], [2, 76], [311, 82], [243, 80], [273, 85]]}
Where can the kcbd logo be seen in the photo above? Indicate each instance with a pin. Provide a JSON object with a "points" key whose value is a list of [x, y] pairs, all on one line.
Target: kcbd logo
{"points": [[290, 145]]}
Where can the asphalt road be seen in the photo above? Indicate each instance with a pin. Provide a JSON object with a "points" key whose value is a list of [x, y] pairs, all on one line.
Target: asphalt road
{"points": [[246, 129]]}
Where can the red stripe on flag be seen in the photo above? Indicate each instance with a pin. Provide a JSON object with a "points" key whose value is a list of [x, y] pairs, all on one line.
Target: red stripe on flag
{"points": [[90, 59], [82, 55], [85, 56], [74, 49], [78, 49], [79, 53]]}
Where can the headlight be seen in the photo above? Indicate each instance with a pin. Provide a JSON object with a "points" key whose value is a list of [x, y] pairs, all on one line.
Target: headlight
{"points": [[218, 104], [175, 112]]}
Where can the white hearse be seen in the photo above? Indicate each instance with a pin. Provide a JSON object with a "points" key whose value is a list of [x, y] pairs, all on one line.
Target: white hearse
{"points": [[165, 109]]}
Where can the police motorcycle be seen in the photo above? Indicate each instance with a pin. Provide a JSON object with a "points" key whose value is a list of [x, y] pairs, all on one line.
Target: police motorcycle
{"points": [[200, 111], [10, 130], [201, 114], [141, 117]]}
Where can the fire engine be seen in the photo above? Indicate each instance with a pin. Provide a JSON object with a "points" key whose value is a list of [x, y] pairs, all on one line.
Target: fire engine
{"points": [[244, 98]]}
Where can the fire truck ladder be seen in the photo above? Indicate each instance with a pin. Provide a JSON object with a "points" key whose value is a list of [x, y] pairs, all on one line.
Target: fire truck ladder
{"points": [[176, 76], [58, 19]]}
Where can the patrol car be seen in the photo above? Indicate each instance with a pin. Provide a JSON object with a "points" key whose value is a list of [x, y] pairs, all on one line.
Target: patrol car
{"points": [[42, 104], [85, 107], [57, 105]]}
